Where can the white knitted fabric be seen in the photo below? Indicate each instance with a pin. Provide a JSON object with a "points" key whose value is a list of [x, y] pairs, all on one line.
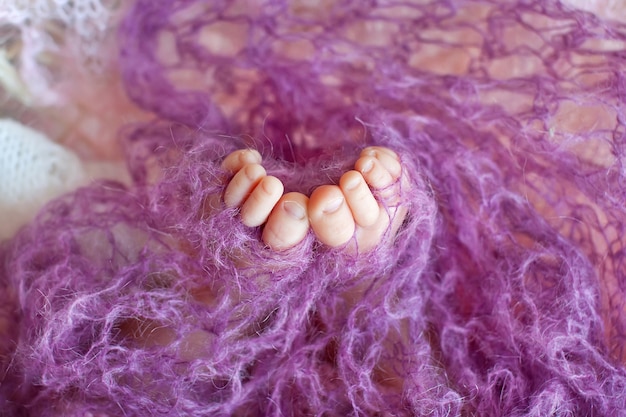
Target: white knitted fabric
{"points": [[61, 28], [89, 20], [75, 13], [33, 170]]}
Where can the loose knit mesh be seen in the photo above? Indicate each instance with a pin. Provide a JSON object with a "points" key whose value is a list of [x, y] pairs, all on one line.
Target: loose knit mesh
{"points": [[502, 294]]}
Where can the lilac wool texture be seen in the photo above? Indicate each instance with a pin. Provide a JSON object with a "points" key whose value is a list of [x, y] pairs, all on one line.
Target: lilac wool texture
{"points": [[503, 292]]}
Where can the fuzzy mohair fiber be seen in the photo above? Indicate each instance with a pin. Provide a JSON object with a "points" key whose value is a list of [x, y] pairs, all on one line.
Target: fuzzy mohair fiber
{"points": [[502, 294]]}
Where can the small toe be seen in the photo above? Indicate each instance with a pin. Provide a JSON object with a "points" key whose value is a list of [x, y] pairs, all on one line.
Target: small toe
{"points": [[242, 184], [330, 216], [238, 159], [382, 171], [288, 223], [258, 206], [374, 173], [388, 159], [362, 203]]}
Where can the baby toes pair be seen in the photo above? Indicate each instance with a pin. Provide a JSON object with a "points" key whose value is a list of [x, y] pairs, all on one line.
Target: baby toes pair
{"points": [[336, 213]]}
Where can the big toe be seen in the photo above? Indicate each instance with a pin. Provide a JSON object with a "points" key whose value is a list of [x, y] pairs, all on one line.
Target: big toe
{"points": [[288, 222]]}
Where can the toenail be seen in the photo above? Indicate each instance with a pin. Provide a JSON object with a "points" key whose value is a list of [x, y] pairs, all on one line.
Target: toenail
{"points": [[272, 186], [252, 172], [353, 183], [244, 157], [267, 186], [367, 167], [248, 157], [370, 152], [333, 205], [294, 209]]}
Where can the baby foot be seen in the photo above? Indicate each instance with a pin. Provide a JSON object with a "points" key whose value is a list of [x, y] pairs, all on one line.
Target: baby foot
{"points": [[261, 201], [337, 213]]}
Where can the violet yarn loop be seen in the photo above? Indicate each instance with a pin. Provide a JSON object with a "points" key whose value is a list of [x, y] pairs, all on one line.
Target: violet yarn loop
{"points": [[503, 292]]}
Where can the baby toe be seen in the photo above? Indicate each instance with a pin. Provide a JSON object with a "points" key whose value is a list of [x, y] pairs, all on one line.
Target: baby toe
{"points": [[382, 170], [288, 222], [388, 159], [258, 206], [360, 199], [243, 184], [240, 158], [330, 216], [374, 173]]}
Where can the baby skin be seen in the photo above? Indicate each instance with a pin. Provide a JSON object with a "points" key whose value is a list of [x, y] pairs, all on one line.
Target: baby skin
{"points": [[355, 214]]}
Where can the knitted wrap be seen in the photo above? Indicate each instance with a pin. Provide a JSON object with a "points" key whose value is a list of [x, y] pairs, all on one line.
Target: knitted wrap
{"points": [[502, 294]]}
